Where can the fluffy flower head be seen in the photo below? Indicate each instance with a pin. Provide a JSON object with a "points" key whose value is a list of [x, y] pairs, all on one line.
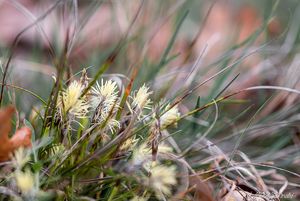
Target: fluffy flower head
{"points": [[161, 179], [20, 157], [106, 92], [105, 102], [25, 181], [143, 153], [139, 198], [70, 101], [170, 117], [141, 98]]}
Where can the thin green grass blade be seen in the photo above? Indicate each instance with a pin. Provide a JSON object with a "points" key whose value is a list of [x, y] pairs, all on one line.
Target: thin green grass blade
{"points": [[164, 59], [27, 91]]}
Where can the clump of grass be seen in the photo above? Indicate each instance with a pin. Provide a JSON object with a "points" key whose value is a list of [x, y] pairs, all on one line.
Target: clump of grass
{"points": [[109, 137], [86, 141]]}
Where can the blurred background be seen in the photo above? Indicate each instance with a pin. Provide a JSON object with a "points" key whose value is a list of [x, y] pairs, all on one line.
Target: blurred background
{"points": [[218, 32], [172, 46]]}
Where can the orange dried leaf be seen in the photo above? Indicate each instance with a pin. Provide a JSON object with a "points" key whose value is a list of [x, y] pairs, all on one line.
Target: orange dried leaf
{"points": [[22, 137]]}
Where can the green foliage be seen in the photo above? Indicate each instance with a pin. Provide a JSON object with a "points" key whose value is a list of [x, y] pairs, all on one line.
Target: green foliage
{"points": [[101, 134]]}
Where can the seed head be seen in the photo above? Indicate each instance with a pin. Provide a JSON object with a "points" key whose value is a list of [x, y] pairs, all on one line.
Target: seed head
{"points": [[142, 153], [139, 198], [70, 102], [161, 179], [105, 93], [105, 101], [141, 98], [170, 117], [25, 181], [20, 157]]}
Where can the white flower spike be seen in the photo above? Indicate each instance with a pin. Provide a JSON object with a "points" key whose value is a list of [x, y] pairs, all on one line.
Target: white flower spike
{"points": [[25, 181], [141, 98], [161, 179], [171, 116], [70, 102]]}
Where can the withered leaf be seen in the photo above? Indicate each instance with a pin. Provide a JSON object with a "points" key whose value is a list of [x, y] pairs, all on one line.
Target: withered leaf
{"points": [[203, 191], [22, 137]]}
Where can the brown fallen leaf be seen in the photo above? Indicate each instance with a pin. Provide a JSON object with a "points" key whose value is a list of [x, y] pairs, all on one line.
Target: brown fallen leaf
{"points": [[22, 137], [203, 191]]}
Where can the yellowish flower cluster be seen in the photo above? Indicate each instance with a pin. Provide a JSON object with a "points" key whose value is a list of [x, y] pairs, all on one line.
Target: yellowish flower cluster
{"points": [[141, 98], [104, 102], [171, 116], [70, 102], [142, 154], [161, 177], [106, 94], [20, 158], [99, 106], [139, 198], [24, 179]]}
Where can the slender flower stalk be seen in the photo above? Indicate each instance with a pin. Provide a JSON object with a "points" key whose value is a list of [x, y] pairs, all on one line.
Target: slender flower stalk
{"points": [[169, 117]]}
